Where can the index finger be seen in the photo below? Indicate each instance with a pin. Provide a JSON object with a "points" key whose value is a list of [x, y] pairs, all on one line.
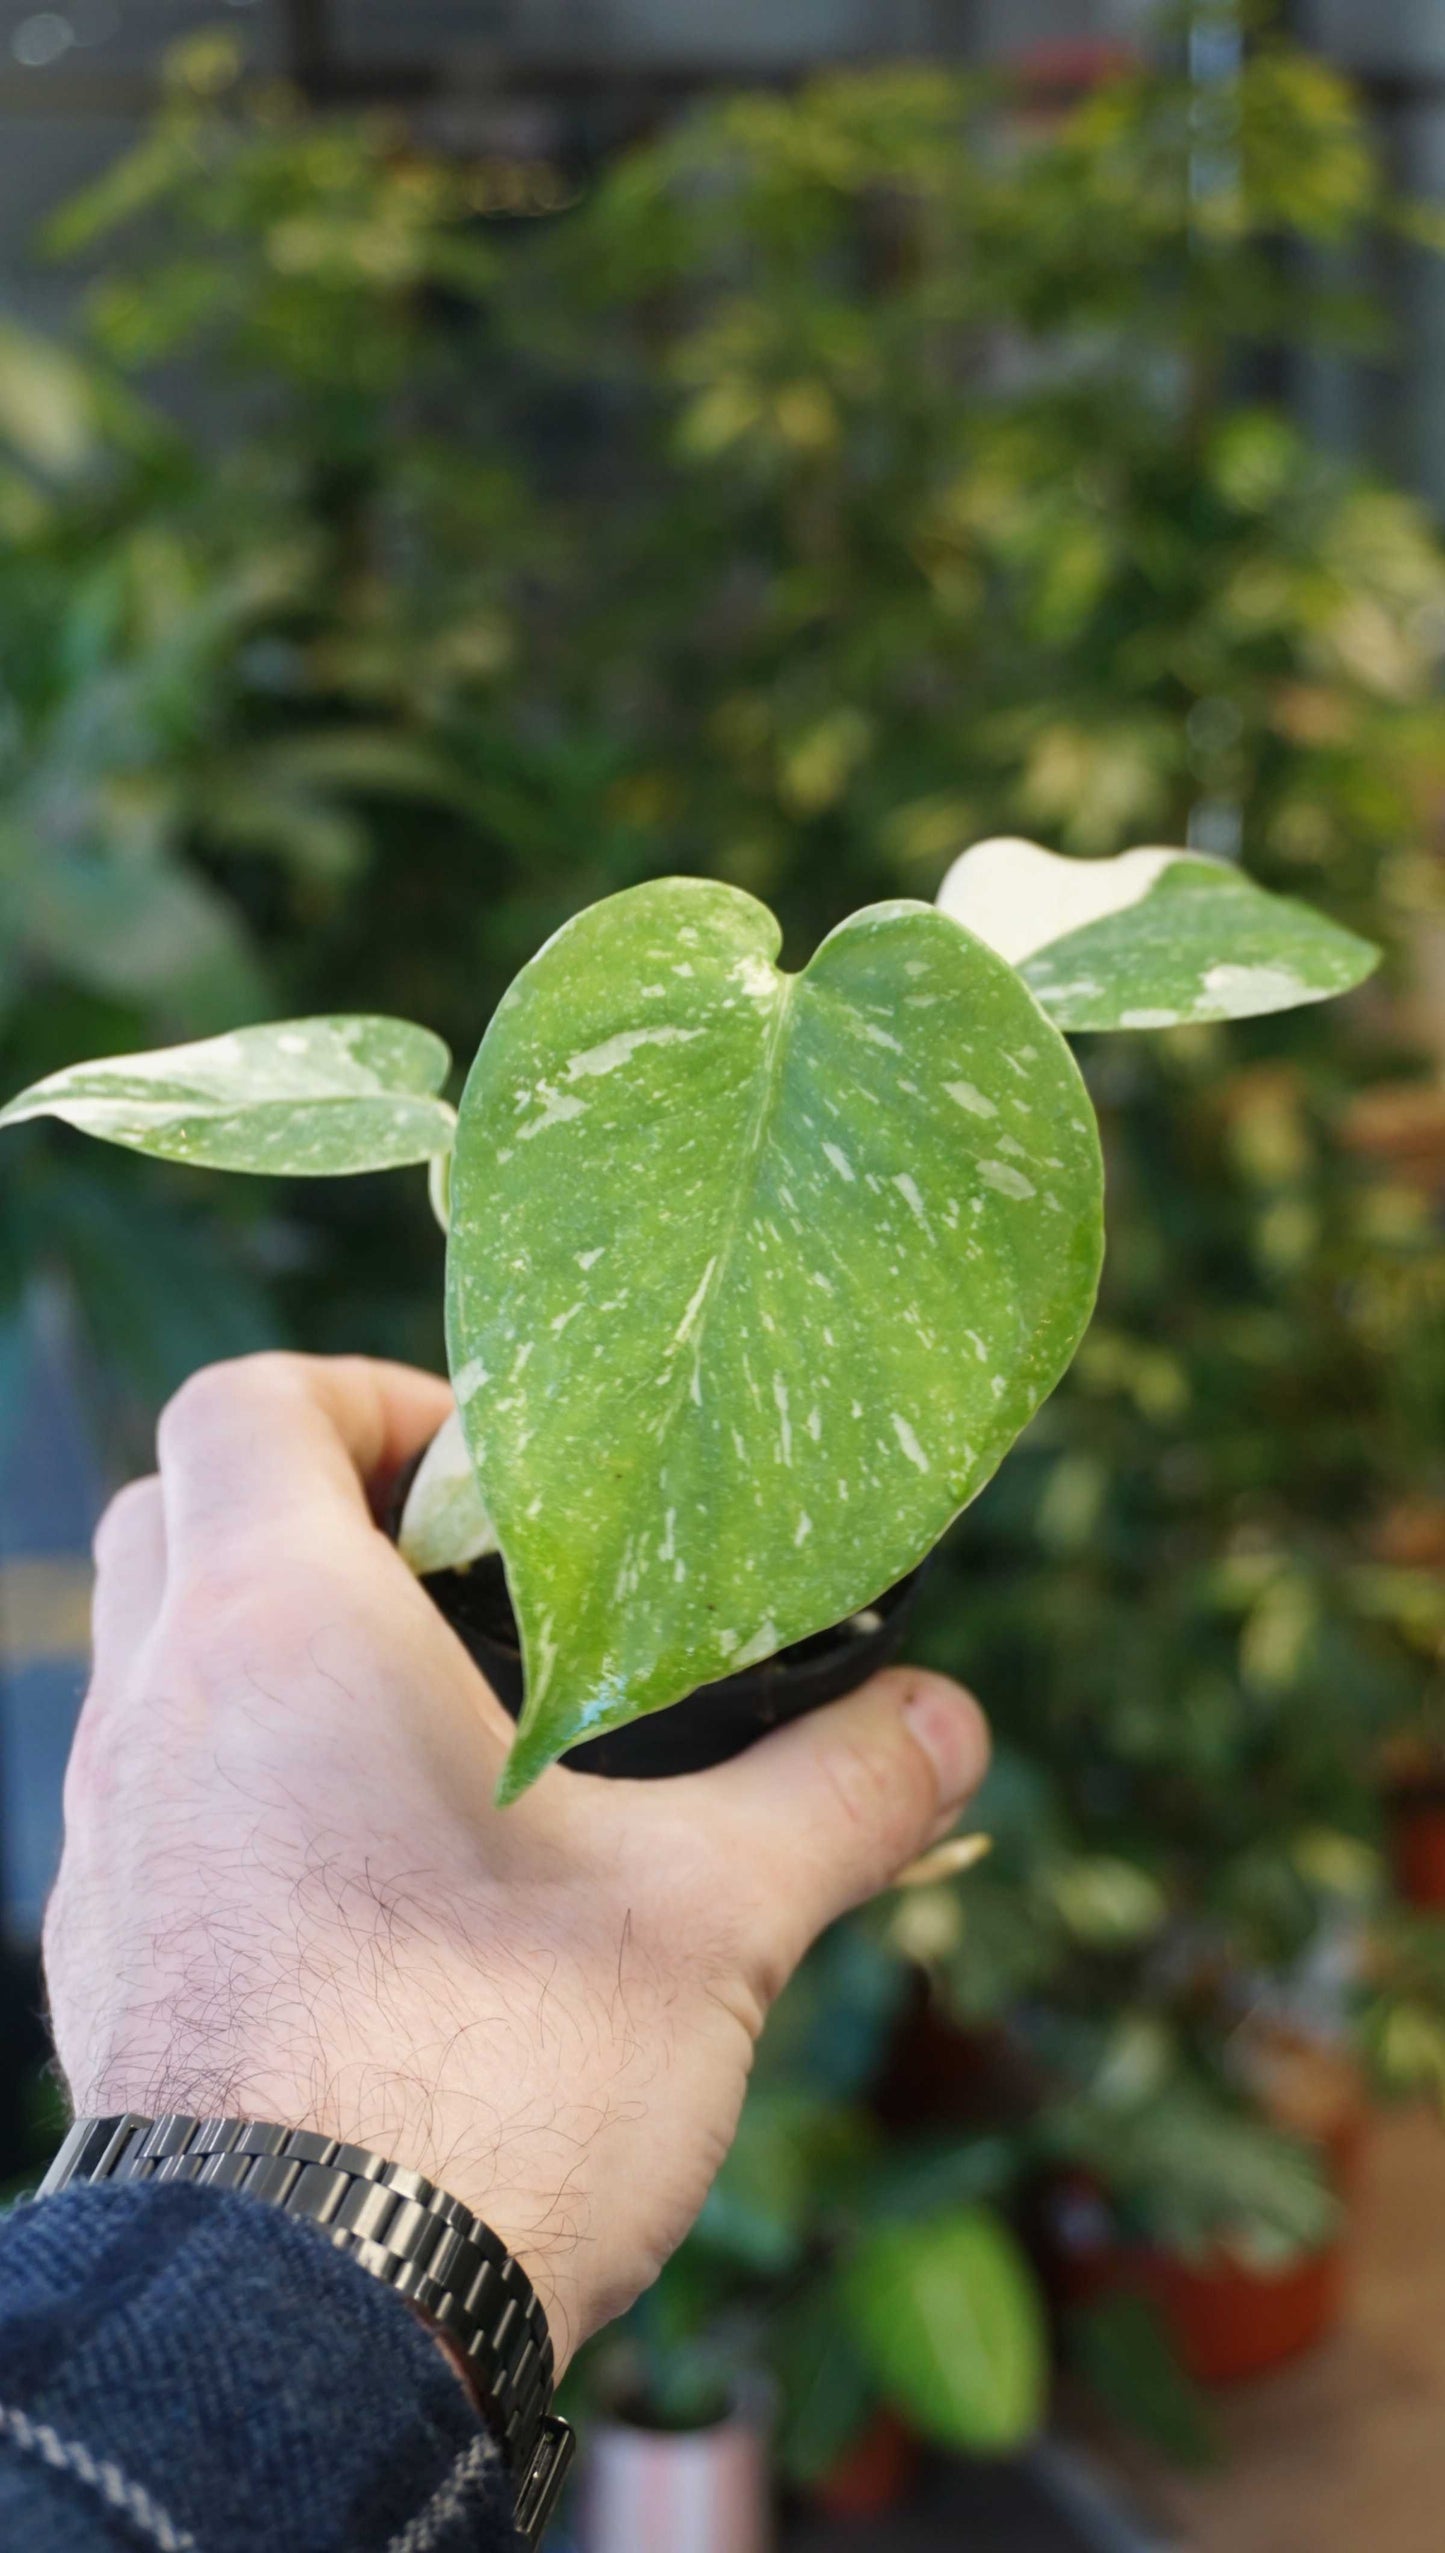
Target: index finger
{"points": [[263, 1439]]}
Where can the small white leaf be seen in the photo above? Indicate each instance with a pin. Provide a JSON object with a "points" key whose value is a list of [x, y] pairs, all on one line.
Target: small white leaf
{"points": [[444, 1524], [1018, 897], [1152, 939]]}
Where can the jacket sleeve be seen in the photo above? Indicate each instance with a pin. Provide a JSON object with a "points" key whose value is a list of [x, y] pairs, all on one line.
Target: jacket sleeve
{"points": [[188, 2370]]}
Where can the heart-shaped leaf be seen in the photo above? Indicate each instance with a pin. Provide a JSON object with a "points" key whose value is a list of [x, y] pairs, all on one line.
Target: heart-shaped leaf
{"points": [[752, 1278], [310, 1097], [945, 2313], [444, 1524], [1150, 939]]}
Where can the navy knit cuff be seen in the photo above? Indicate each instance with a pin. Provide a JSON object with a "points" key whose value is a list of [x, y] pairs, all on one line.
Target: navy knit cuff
{"points": [[186, 2367]]}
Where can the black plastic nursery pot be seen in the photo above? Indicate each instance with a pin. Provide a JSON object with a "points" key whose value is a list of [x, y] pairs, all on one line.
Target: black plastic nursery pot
{"points": [[712, 1724]]}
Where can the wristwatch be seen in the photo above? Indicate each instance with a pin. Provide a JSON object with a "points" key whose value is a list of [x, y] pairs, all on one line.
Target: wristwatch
{"points": [[401, 2227]]}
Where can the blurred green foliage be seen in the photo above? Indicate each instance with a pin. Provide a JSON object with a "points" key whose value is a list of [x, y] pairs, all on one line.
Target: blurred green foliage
{"points": [[847, 475]]}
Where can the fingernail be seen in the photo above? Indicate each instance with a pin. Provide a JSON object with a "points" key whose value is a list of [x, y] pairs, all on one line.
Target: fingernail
{"points": [[945, 1722]]}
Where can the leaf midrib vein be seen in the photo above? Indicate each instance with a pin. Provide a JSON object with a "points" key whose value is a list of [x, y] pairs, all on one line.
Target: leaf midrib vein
{"points": [[770, 1076]]}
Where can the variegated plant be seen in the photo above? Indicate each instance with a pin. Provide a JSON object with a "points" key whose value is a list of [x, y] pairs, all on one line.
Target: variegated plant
{"points": [[1153, 939], [752, 1277]]}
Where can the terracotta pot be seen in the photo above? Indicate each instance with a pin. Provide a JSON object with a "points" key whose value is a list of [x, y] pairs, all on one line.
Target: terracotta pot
{"points": [[1311, 2087], [1417, 1843], [1068, 67], [1401, 1126], [676, 2491], [1410, 1534], [1229, 2321], [875, 2474]]}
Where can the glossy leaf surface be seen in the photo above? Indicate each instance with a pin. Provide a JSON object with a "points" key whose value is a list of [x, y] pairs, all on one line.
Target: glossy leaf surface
{"points": [[752, 1278], [1151, 939], [311, 1098]]}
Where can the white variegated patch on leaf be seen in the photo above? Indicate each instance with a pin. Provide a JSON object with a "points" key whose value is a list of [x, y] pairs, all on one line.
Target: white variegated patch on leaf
{"points": [[310, 1097], [444, 1524], [753, 1278], [1152, 939]]}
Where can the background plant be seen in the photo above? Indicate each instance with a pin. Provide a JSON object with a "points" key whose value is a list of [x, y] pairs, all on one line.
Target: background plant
{"points": [[848, 475]]}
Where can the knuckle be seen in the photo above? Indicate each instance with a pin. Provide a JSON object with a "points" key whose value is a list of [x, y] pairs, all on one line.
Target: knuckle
{"points": [[883, 1802], [214, 1392], [130, 1507], [195, 1405], [880, 1791]]}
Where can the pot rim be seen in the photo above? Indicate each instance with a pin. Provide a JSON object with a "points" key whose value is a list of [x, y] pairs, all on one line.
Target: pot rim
{"points": [[750, 2408]]}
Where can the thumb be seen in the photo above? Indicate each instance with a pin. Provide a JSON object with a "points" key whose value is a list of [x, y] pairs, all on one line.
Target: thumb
{"points": [[828, 1810]]}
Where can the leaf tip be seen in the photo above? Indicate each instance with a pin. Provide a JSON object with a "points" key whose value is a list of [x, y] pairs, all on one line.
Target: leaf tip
{"points": [[525, 1762]]}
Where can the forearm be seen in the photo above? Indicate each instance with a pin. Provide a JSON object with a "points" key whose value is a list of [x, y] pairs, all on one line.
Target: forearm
{"points": [[287, 1893], [183, 2367]]}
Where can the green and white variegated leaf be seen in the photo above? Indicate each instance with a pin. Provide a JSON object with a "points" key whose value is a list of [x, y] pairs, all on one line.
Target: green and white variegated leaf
{"points": [[1151, 939], [309, 1097], [444, 1524], [753, 1278]]}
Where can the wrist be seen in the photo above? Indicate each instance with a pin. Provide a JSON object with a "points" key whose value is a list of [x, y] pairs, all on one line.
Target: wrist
{"points": [[437, 2256], [413, 2135]]}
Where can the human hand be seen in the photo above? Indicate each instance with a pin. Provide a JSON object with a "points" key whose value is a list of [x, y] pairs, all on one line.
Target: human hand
{"points": [[285, 1891]]}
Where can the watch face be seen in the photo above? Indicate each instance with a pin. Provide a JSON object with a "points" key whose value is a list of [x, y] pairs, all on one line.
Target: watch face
{"points": [[540, 2487]]}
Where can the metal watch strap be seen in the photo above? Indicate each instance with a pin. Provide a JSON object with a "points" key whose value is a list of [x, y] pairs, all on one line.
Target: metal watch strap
{"points": [[395, 2223]]}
